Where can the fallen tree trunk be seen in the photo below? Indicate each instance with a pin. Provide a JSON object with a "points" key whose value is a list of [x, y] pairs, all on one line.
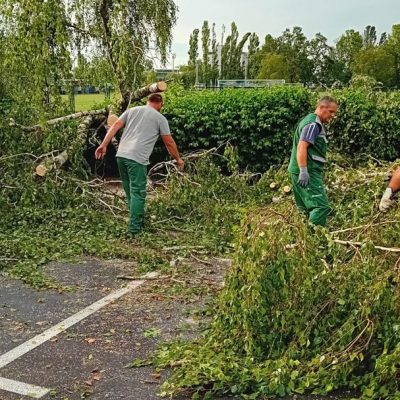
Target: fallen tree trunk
{"points": [[52, 162], [56, 121], [56, 162], [137, 95]]}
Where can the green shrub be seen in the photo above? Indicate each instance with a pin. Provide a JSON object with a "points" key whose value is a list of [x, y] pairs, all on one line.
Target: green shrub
{"points": [[260, 123], [367, 122]]}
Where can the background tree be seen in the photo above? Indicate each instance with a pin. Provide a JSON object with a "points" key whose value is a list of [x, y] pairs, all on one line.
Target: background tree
{"points": [[193, 47], [228, 50], [270, 44], [291, 49], [291, 56], [101, 71], [273, 66], [188, 75], [205, 40], [293, 46], [376, 63], [324, 67], [383, 38], [188, 72], [37, 55], [214, 72], [380, 61], [231, 55], [253, 56], [347, 48], [83, 70], [392, 47], [121, 30], [369, 38]]}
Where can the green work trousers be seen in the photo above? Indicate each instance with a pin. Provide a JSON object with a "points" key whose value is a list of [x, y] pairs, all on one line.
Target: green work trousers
{"points": [[312, 200], [134, 180]]}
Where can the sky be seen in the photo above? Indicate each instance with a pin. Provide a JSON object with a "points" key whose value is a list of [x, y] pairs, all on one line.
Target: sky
{"points": [[331, 18]]}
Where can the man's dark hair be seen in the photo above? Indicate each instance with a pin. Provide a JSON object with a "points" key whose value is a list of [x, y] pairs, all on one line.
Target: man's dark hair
{"points": [[327, 100], [155, 98]]}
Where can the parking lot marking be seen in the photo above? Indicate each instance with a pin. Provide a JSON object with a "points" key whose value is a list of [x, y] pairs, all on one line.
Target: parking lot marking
{"points": [[36, 341], [38, 392], [24, 389]]}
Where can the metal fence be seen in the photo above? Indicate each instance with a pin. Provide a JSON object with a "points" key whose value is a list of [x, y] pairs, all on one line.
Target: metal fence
{"points": [[249, 83]]}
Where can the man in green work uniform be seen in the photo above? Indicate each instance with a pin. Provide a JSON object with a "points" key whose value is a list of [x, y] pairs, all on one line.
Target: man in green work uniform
{"points": [[308, 159], [143, 125]]}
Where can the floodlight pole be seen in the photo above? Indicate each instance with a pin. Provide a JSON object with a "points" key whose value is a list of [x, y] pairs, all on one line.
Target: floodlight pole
{"points": [[173, 62]]}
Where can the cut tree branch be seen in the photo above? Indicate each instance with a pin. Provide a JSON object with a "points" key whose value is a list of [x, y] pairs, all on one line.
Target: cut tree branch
{"points": [[139, 94], [149, 89], [189, 157], [50, 163], [365, 226], [360, 244]]}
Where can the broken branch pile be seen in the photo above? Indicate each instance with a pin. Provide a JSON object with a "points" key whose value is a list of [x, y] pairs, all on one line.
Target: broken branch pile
{"points": [[304, 310]]}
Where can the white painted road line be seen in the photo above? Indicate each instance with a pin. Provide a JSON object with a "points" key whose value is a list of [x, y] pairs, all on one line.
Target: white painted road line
{"points": [[24, 389], [31, 344]]}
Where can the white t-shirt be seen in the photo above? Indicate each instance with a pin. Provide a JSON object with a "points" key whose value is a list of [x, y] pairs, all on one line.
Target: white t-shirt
{"points": [[143, 126]]}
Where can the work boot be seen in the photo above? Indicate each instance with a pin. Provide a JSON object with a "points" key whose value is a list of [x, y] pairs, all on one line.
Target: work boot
{"points": [[386, 201], [132, 234]]}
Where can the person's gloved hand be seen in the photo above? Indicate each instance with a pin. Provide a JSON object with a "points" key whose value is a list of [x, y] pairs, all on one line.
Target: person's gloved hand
{"points": [[304, 177], [386, 200]]}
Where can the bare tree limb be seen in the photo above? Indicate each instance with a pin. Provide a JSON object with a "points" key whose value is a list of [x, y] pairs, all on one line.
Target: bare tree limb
{"points": [[189, 157], [365, 226], [359, 244]]}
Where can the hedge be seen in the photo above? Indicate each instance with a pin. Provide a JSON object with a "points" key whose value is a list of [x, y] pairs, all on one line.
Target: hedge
{"points": [[261, 122]]}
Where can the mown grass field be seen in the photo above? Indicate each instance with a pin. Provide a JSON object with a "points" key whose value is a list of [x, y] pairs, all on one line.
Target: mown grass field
{"points": [[84, 102]]}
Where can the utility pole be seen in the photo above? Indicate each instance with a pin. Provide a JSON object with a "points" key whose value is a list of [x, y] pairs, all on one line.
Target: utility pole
{"points": [[173, 62]]}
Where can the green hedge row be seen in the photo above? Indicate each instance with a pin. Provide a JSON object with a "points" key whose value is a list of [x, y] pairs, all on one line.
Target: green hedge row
{"points": [[367, 123], [260, 123]]}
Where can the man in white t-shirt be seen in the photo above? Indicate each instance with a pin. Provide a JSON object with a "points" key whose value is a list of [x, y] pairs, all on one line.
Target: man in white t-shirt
{"points": [[142, 127]]}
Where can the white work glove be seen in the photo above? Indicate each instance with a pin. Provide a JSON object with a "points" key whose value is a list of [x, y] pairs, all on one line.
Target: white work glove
{"points": [[304, 177], [386, 200]]}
